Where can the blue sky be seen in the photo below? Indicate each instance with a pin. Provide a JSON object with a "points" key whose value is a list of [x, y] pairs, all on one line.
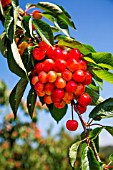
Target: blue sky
{"points": [[94, 22]]}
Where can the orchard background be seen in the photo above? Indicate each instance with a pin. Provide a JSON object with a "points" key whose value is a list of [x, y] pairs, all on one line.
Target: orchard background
{"points": [[94, 29]]}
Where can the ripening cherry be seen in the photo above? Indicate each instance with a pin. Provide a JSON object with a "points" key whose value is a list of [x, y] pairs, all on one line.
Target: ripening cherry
{"points": [[34, 80], [50, 53], [60, 105], [39, 86], [40, 93], [67, 75], [49, 87], [71, 86], [79, 90], [74, 53], [79, 76], [68, 97], [48, 65], [38, 54], [42, 77], [51, 76], [60, 83], [84, 99], [36, 14], [72, 125], [88, 78], [58, 53], [47, 99], [81, 109]]}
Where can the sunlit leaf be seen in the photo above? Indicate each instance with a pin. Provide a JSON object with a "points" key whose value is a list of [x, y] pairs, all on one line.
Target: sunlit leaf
{"points": [[73, 152], [44, 31], [88, 160], [111, 157], [94, 95], [16, 95], [104, 75], [102, 110], [72, 43]]}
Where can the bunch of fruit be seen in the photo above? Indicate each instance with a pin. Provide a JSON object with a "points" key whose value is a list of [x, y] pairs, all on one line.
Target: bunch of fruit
{"points": [[60, 76]]}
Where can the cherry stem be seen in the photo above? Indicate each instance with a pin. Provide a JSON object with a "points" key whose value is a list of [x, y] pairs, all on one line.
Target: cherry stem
{"points": [[95, 124], [72, 111], [109, 167], [86, 132]]}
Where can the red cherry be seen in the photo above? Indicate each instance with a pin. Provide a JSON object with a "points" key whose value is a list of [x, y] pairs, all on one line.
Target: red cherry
{"points": [[5, 2], [60, 105], [43, 46], [38, 54], [74, 53], [39, 67], [67, 75], [39, 86], [71, 86], [60, 65], [42, 77], [57, 95], [88, 78], [48, 65], [58, 53], [34, 80], [72, 64], [60, 83], [82, 65], [72, 125], [80, 108], [84, 99], [79, 76]]}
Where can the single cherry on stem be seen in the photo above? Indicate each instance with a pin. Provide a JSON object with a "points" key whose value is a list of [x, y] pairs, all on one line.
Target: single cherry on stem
{"points": [[72, 125]]}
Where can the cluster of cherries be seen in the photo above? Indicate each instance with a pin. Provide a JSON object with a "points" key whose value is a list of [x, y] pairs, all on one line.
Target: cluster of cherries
{"points": [[60, 76]]}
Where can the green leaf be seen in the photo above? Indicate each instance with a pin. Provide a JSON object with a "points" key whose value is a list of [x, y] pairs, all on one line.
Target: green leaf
{"points": [[14, 3], [3, 44], [16, 95], [102, 110], [109, 129], [16, 13], [56, 113], [102, 57], [17, 56], [44, 31], [96, 143], [88, 160], [73, 152], [111, 157], [104, 75], [72, 43], [95, 133], [31, 100], [57, 11], [62, 26], [94, 95], [9, 26], [13, 66]]}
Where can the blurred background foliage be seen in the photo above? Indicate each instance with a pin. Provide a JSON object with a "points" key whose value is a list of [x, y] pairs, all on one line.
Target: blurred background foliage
{"points": [[22, 146]]}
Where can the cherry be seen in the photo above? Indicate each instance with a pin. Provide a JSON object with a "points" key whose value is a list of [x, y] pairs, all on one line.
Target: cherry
{"points": [[5, 2], [72, 64], [48, 65], [80, 108], [38, 54], [82, 65], [72, 125], [84, 99], [34, 80], [88, 78], [60, 83], [79, 76], [60, 65], [43, 46], [74, 53], [79, 90], [71, 86], [57, 95], [39, 68], [67, 75], [36, 14]]}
